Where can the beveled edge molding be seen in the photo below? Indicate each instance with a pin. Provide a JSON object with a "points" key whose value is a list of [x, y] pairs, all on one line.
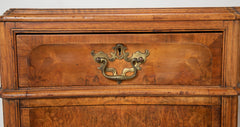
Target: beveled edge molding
{"points": [[96, 91], [119, 14]]}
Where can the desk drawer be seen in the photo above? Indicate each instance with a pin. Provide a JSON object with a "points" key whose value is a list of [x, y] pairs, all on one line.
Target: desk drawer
{"points": [[122, 111], [54, 60], [119, 116]]}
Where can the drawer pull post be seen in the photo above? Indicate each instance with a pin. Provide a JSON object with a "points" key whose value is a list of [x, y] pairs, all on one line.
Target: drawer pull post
{"points": [[136, 60]]}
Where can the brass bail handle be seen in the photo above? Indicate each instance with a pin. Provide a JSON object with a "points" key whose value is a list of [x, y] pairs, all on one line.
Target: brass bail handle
{"points": [[135, 60]]}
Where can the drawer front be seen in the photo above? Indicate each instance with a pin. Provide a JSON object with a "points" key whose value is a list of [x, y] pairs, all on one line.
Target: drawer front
{"points": [[119, 116], [50, 60], [119, 112]]}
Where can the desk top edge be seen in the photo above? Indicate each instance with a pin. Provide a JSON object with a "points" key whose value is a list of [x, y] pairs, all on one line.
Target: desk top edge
{"points": [[122, 14]]}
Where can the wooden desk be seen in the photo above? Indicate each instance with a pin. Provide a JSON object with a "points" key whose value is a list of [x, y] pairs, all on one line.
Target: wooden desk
{"points": [[120, 67]]}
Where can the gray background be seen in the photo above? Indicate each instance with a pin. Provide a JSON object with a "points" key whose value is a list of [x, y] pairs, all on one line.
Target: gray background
{"points": [[6, 4]]}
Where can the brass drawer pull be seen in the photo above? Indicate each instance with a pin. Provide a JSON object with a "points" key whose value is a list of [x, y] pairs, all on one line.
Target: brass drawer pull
{"points": [[119, 53]]}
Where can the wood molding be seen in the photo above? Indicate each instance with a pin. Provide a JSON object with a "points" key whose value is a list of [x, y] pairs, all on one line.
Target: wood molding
{"points": [[237, 12], [141, 14], [230, 68], [11, 113], [44, 75], [207, 101], [8, 56], [117, 91], [229, 111]]}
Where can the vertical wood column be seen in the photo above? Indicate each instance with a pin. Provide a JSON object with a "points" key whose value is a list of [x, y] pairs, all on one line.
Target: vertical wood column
{"points": [[229, 111], [230, 62], [9, 73]]}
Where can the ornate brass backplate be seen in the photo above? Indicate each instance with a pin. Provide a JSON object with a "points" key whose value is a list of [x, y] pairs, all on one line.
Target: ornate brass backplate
{"points": [[136, 60]]}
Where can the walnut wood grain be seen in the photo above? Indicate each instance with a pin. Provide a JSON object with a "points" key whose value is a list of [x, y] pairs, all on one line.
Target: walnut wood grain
{"points": [[231, 54], [118, 14], [136, 90], [237, 12], [116, 102], [8, 74], [238, 40], [93, 27], [8, 57], [29, 36], [84, 101], [11, 113], [122, 115], [238, 90], [45, 59], [229, 111]]}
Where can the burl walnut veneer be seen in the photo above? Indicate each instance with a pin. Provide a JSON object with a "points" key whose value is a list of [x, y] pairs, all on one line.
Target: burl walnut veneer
{"points": [[120, 67]]}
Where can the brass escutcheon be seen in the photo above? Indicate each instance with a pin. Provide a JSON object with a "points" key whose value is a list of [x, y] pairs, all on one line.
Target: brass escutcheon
{"points": [[136, 60]]}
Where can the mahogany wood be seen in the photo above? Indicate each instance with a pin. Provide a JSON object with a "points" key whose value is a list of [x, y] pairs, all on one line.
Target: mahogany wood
{"points": [[190, 78]]}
